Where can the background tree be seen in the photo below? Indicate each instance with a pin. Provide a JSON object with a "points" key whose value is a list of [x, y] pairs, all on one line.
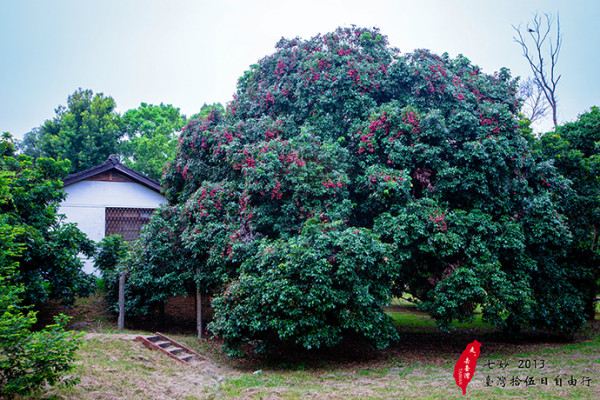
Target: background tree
{"points": [[344, 170], [206, 109], [542, 55], [30, 144], [85, 132], [150, 134], [48, 267], [575, 150]]}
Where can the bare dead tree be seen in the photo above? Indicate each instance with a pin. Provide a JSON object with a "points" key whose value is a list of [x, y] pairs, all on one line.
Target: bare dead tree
{"points": [[542, 62], [535, 105]]}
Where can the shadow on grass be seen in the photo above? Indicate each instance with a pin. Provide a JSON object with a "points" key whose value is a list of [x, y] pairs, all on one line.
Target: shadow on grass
{"points": [[420, 342]]}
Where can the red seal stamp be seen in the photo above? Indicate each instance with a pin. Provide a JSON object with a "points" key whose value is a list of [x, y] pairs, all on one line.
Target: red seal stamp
{"points": [[465, 367]]}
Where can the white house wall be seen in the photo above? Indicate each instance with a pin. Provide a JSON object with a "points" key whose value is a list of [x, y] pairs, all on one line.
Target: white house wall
{"points": [[87, 200]]}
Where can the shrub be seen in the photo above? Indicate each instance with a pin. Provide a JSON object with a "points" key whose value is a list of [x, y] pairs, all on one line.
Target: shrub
{"points": [[28, 359], [310, 290]]}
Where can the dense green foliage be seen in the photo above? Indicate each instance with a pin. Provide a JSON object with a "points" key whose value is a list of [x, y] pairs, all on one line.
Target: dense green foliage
{"points": [[84, 132], [414, 167], [110, 252], [28, 359], [49, 267], [150, 137], [88, 130], [310, 289], [575, 149]]}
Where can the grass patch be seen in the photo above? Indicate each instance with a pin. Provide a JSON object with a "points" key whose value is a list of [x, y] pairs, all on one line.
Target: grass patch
{"points": [[418, 321], [116, 367]]}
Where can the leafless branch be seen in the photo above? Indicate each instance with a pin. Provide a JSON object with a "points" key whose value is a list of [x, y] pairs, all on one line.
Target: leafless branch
{"points": [[535, 105], [539, 32]]}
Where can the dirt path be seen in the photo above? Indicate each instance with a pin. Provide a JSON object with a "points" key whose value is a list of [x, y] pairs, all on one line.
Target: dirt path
{"points": [[110, 336]]}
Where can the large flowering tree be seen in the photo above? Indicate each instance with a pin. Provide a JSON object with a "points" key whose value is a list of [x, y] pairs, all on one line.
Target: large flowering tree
{"points": [[344, 173]]}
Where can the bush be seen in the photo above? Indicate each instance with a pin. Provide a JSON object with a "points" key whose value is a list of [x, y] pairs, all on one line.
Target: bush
{"points": [[110, 252], [310, 290], [28, 359]]}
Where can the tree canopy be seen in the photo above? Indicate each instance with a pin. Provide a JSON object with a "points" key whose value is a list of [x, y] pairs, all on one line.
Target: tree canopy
{"points": [[575, 150], [85, 132], [150, 134], [48, 263], [88, 130], [343, 173]]}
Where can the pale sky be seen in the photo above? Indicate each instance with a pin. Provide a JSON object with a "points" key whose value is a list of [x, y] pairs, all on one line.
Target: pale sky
{"points": [[187, 53]]}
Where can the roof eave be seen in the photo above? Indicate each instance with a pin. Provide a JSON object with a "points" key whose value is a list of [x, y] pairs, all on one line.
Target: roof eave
{"points": [[107, 166]]}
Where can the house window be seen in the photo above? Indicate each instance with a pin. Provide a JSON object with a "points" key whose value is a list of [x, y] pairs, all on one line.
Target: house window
{"points": [[126, 222]]}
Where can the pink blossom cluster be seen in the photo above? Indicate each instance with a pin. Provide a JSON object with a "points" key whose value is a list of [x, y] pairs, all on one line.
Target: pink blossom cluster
{"points": [[268, 98], [355, 75], [271, 134], [292, 158], [379, 123], [411, 118], [280, 67], [330, 184], [438, 68], [275, 193], [440, 220], [323, 64], [203, 212], [249, 162], [365, 139], [385, 177]]}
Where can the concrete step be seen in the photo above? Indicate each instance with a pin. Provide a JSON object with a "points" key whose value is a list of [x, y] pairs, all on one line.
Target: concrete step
{"points": [[175, 350], [187, 357]]}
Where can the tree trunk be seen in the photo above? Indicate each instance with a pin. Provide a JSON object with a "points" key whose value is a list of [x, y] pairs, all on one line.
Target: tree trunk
{"points": [[121, 301], [198, 308]]}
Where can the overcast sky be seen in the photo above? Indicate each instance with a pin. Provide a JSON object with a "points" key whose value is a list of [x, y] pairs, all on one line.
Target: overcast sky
{"points": [[187, 53]]}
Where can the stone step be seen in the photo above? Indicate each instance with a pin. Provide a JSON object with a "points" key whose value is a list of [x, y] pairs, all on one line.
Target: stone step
{"points": [[175, 350], [187, 357]]}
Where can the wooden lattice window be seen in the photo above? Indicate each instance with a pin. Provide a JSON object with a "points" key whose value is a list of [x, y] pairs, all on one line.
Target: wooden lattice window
{"points": [[126, 222]]}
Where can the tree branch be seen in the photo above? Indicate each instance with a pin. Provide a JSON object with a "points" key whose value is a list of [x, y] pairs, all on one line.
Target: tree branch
{"points": [[535, 56]]}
